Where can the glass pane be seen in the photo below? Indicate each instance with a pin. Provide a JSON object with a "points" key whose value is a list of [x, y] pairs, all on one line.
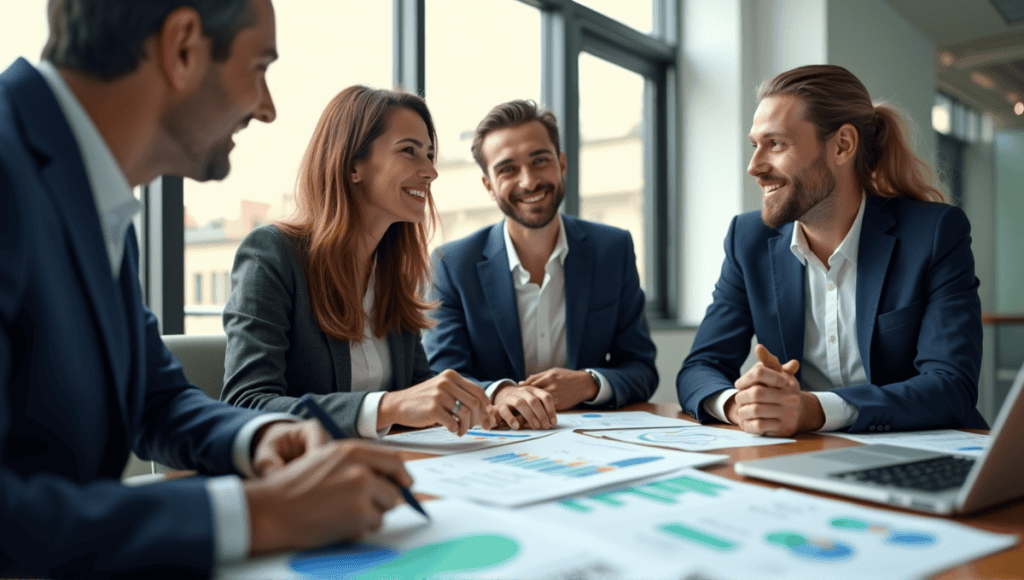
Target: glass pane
{"points": [[638, 14], [611, 148], [23, 31], [320, 55], [942, 113], [494, 58]]}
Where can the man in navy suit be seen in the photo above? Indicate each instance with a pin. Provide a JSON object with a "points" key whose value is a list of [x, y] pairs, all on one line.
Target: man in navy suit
{"points": [[544, 311], [854, 270], [128, 91]]}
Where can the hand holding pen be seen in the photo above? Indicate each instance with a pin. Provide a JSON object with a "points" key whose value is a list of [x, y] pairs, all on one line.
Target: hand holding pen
{"points": [[309, 404], [312, 491]]}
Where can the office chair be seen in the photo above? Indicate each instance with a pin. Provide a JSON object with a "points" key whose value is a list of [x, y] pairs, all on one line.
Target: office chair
{"points": [[202, 359]]}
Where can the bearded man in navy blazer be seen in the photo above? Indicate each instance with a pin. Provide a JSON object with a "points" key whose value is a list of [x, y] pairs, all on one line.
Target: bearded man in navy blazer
{"points": [[128, 91], [545, 311], [854, 270]]}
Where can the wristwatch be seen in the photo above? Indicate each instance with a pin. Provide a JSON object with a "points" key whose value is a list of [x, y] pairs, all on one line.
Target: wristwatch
{"points": [[597, 378]]}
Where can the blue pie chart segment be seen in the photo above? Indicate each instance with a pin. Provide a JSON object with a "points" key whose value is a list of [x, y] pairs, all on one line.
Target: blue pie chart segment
{"points": [[446, 559], [345, 561]]}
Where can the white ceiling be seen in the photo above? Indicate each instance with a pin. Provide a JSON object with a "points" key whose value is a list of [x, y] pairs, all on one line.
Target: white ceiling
{"points": [[974, 39]]}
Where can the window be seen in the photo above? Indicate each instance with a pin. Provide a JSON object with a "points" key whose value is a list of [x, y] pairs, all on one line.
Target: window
{"points": [[612, 148], [638, 14], [504, 67], [219, 287], [586, 54], [321, 54], [23, 31], [466, 57], [199, 289]]}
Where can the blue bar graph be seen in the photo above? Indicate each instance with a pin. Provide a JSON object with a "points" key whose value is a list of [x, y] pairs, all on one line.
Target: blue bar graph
{"points": [[573, 468]]}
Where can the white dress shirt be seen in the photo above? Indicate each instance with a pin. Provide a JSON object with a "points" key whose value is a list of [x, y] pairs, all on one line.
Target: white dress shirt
{"points": [[542, 314], [371, 368], [116, 207], [831, 357]]}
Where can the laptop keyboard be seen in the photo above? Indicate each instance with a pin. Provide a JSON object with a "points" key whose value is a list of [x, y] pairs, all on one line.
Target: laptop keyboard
{"points": [[937, 474]]}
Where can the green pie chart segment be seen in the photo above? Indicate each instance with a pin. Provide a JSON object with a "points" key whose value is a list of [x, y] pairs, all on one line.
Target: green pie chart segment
{"points": [[449, 558]]}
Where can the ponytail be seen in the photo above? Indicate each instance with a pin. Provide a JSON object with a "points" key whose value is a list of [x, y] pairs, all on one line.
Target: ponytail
{"points": [[886, 165], [896, 171]]}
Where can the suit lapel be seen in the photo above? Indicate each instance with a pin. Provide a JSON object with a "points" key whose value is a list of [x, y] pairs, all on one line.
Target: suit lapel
{"points": [[496, 281], [341, 358], [65, 180], [401, 375], [579, 277], [873, 255], [131, 296], [788, 290]]}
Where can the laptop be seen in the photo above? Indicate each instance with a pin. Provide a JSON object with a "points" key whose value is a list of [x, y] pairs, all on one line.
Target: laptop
{"points": [[916, 479]]}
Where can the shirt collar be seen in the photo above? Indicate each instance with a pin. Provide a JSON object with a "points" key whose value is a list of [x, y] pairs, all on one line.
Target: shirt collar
{"points": [[559, 253], [849, 248], [110, 188]]}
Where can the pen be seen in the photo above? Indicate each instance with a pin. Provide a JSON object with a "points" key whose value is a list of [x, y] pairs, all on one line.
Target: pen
{"points": [[308, 403]]}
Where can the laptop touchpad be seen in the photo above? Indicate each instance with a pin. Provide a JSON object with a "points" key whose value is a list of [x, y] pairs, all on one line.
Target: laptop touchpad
{"points": [[858, 458]]}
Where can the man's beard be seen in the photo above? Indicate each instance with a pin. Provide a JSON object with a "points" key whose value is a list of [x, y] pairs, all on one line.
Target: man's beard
{"points": [[808, 189], [541, 217], [217, 163]]}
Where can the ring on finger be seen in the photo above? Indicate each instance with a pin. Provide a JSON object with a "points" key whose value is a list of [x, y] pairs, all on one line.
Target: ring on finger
{"points": [[457, 407]]}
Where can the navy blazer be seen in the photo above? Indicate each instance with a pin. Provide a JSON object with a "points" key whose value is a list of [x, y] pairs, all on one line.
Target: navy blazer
{"points": [[478, 334], [84, 377], [918, 316], [276, 351]]}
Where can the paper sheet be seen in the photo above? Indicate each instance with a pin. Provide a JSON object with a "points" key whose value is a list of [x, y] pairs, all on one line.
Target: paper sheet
{"points": [[441, 441], [692, 437], [941, 440], [617, 420], [735, 532], [603, 511], [541, 469], [464, 541]]}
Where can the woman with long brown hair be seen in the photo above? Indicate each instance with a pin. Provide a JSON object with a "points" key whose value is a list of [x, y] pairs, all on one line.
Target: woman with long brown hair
{"points": [[329, 302]]}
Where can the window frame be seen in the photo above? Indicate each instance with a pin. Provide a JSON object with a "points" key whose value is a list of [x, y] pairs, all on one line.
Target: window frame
{"points": [[567, 30]]}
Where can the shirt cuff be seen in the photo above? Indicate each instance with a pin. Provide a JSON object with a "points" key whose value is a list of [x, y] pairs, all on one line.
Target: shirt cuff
{"points": [[838, 412], [714, 405], [604, 390], [231, 533], [366, 424], [490, 390], [241, 450]]}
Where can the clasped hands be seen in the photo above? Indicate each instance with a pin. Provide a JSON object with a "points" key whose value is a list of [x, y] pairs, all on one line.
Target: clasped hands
{"points": [[533, 402], [770, 401]]}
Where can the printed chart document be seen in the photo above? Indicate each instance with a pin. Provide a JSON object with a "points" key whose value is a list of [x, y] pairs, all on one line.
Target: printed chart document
{"points": [[441, 441], [465, 541], [563, 464], [617, 420], [692, 437], [734, 532], [941, 440], [603, 511]]}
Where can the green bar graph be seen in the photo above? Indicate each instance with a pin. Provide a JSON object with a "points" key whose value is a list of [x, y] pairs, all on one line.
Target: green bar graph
{"points": [[665, 492], [698, 537]]}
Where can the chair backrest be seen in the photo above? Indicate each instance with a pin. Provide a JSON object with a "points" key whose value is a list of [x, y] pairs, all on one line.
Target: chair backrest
{"points": [[202, 359]]}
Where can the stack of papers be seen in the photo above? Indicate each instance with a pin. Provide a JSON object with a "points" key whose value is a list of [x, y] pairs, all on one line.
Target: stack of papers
{"points": [[563, 464]]}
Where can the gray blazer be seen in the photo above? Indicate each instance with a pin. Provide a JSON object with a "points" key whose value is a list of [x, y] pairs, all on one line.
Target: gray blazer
{"points": [[276, 352]]}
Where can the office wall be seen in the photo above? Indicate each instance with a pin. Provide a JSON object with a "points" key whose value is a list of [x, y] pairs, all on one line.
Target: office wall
{"points": [[1009, 214], [894, 60], [712, 159]]}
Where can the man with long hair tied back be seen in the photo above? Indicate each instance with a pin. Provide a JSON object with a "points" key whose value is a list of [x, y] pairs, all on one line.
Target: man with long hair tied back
{"points": [[855, 271]]}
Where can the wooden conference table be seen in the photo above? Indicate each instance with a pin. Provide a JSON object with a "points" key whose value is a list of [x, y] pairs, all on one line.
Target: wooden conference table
{"points": [[1008, 518]]}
